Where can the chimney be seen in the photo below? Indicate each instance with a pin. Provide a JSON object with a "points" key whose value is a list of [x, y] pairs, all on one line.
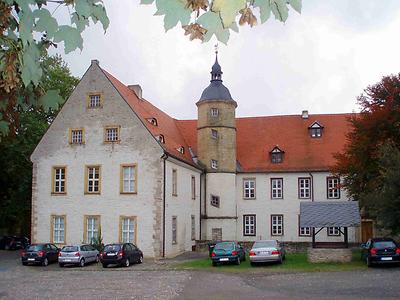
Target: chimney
{"points": [[95, 62], [137, 89], [304, 114]]}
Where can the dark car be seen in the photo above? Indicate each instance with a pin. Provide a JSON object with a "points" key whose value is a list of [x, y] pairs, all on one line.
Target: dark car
{"points": [[226, 252], [14, 242], [380, 251], [122, 254], [40, 254]]}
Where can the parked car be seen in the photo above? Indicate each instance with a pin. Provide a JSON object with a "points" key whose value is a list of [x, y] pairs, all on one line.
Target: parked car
{"points": [[266, 251], [226, 252], [380, 251], [13, 242], [77, 255], [122, 254], [42, 254]]}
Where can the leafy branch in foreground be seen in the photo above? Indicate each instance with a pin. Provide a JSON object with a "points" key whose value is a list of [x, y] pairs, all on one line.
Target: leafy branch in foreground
{"points": [[27, 30], [201, 19]]}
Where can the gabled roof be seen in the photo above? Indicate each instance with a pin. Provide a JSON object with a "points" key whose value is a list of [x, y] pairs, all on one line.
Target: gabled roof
{"points": [[256, 137], [166, 125], [329, 214]]}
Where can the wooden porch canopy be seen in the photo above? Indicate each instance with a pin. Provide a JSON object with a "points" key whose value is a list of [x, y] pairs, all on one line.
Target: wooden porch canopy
{"points": [[321, 214]]}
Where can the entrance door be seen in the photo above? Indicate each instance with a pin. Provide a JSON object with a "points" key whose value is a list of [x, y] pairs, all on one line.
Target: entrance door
{"points": [[367, 230]]}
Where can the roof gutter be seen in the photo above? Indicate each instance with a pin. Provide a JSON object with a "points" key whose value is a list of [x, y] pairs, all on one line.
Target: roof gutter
{"points": [[164, 157]]}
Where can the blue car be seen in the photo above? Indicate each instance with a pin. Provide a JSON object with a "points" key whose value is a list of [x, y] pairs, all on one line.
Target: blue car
{"points": [[228, 252]]}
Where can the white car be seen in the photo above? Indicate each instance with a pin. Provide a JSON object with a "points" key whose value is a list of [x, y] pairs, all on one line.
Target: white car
{"points": [[266, 251], [77, 255]]}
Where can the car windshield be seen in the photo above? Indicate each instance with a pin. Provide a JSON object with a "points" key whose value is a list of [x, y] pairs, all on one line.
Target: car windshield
{"points": [[264, 244], [384, 244], [35, 247], [69, 249], [109, 248], [224, 246]]}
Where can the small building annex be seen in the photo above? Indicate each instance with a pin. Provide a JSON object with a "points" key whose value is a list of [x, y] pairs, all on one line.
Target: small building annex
{"points": [[113, 161]]}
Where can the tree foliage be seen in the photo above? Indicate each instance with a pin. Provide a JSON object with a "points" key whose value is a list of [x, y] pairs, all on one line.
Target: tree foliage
{"points": [[201, 19], [27, 30], [15, 149], [364, 162]]}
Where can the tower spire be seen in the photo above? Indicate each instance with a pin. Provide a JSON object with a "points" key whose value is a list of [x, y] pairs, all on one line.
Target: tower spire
{"points": [[216, 72]]}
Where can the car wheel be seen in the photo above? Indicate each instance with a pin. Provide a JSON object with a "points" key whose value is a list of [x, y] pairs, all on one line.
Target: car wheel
{"points": [[238, 261], [141, 259], [214, 264], [127, 262], [45, 262], [61, 265], [104, 265], [97, 259], [82, 263]]}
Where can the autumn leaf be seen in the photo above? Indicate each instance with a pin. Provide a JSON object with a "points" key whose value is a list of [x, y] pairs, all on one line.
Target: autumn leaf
{"points": [[195, 31], [247, 17]]}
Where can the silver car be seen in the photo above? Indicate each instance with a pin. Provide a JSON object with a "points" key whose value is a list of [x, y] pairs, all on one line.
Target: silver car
{"points": [[77, 255], [266, 251]]}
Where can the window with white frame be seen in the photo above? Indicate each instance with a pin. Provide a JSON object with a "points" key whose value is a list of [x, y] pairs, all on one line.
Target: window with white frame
{"points": [[111, 134], [214, 134], [76, 136], [276, 188], [94, 100], [128, 178], [249, 225], [333, 231], [333, 187], [93, 179], [214, 164], [305, 188], [59, 180], [249, 188], [174, 230], [276, 224], [92, 228], [193, 218], [193, 187], [128, 228], [214, 201], [305, 231], [174, 182], [58, 229], [214, 112]]}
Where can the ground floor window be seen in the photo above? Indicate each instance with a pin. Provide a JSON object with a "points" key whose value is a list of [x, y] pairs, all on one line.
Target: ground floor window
{"points": [[305, 231], [333, 231], [92, 225], [276, 224], [249, 225], [174, 229], [193, 227], [58, 229], [128, 229]]}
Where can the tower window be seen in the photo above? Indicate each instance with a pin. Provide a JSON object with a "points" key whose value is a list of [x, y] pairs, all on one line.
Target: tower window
{"points": [[214, 201], [214, 134], [276, 155], [214, 112], [315, 130], [214, 164]]}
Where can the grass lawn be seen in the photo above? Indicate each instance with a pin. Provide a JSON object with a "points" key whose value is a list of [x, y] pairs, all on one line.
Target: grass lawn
{"points": [[296, 262]]}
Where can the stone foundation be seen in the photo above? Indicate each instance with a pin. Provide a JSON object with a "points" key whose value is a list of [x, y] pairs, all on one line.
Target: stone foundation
{"points": [[320, 255]]}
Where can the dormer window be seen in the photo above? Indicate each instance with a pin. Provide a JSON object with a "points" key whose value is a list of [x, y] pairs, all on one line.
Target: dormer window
{"points": [[214, 112], [153, 121], [276, 155], [214, 164], [315, 130], [160, 138], [181, 149]]}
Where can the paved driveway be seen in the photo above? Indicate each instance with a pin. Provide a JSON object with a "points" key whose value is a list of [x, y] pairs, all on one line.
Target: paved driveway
{"points": [[153, 280]]}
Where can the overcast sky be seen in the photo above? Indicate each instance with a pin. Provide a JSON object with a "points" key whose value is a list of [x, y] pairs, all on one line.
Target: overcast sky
{"points": [[320, 60]]}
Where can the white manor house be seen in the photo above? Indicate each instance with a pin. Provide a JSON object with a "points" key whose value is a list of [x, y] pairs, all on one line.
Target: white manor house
{"points": [[112, 161]]}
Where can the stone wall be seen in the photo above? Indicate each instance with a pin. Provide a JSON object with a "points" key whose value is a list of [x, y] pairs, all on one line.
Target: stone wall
{"points": [[319, 255]]}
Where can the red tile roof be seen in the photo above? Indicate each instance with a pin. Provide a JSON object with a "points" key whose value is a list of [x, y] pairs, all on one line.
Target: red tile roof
{"points": [[256, 136]]}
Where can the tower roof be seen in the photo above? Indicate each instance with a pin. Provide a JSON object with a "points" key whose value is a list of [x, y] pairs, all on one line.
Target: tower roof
{"points": [[216, 90]]}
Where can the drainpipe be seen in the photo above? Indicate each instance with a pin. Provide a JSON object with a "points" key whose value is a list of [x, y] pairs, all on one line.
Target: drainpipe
{"points": [[200, 209], [164, 157], [312, 187]]}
